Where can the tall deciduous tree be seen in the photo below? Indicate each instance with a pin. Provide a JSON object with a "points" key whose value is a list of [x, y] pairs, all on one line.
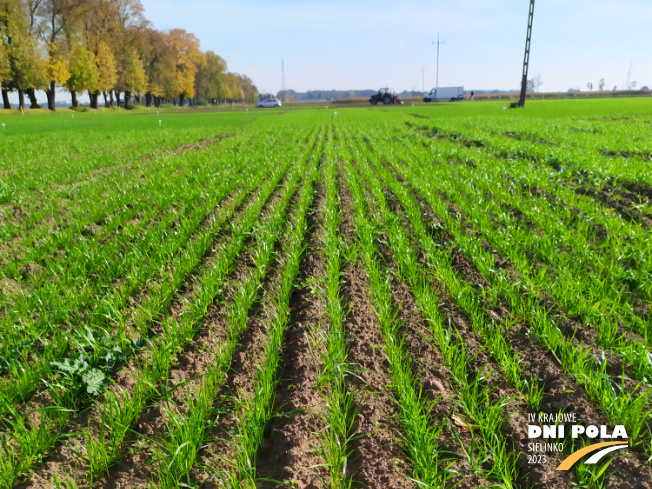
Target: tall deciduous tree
{"points": [[83, 73], [128, 36], [101, 22], [159, 61], [59, 22], [134, 79], [46, 44], [188, 59], [106, 70], [22, 66], [210, 77]]}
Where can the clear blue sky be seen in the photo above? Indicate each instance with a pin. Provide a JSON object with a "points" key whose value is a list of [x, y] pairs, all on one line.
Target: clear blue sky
{"points": [[353, 44]]}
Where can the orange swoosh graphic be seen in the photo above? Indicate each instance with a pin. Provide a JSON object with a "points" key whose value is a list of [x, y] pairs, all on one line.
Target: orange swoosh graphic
{"points": [[570, 461]]}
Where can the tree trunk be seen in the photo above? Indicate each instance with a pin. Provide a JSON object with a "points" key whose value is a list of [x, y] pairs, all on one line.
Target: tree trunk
{"points": [[174, 101], [21, 99], [117, 98], [148, 99], [127, 100], [94, 96], [182, 99], [51, 96], [106, 103], [5, 99], [32, 98], [110, 98], [137, 99], [73, 94]]}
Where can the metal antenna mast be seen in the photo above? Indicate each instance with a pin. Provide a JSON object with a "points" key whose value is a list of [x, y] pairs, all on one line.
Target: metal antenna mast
{"points": [[283, 79], [526, 59], [437, 79]]}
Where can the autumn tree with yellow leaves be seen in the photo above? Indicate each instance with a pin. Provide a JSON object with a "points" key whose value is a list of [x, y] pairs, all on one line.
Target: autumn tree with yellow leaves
{"points": [[106, 47]]}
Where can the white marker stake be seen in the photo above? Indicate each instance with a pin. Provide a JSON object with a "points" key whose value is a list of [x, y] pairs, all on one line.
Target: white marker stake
{"points": [[73, 116], [504, 108], [335, 114], [3, 127], [159, 123]]}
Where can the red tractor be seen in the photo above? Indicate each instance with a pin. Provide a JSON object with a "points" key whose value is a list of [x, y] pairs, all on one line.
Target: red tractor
{"points": [[386, 96]]}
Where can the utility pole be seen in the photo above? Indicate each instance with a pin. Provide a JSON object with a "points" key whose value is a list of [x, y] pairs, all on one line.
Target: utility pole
{"points": [[283, 80], [526, 59], [437, 79]]}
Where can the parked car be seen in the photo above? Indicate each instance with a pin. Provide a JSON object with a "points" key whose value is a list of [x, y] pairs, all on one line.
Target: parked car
{"points": [[270, 102]]}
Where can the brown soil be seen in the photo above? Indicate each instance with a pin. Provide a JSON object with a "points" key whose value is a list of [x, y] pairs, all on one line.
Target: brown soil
{"points": [[187, 147], [572, 328], [289, 453], [639, 190], [9, 287], [378, 460], [515, 428], [618, 200], [134, 468], [240, 384], [521, 137], [625, 154], [561, 393]]}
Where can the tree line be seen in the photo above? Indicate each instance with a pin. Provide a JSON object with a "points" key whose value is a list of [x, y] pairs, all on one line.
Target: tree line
{"points": [[106, 48]]}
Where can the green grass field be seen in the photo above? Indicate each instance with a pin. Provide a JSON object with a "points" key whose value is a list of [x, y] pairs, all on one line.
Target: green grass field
{"points": [[324, 297]]}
